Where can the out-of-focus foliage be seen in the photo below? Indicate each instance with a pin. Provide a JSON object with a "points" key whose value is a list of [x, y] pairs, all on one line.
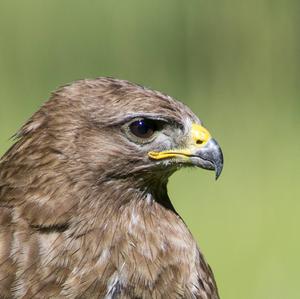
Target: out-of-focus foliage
{"points": [[235, 63]]}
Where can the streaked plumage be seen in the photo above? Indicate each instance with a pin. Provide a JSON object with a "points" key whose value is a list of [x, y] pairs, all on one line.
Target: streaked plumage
{"points": [[84, 209]]}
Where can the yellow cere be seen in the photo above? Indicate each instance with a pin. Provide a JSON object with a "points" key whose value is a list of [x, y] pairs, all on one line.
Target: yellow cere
{"points": [[199, 137], [199, 134]]}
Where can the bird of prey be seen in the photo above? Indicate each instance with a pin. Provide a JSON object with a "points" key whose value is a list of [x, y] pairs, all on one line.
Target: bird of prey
{"points": [[84, 207]]}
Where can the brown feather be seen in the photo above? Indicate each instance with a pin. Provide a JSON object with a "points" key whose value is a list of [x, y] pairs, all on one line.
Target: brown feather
{"points": [[82, 212]]}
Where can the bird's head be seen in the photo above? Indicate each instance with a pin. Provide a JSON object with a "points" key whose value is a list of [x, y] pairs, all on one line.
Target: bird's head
{"points": [[114, 129], [104, 140]]}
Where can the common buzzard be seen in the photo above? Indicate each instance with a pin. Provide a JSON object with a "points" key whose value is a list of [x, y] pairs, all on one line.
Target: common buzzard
{"points": [[84, 208]]}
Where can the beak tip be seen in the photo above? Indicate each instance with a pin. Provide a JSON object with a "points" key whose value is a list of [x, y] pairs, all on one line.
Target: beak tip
{"points": [[219, 165], [218, 173], [218, 169]]}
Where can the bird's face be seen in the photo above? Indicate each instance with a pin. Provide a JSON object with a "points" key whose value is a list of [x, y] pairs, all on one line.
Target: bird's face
{"points": [[145, 131], [169, 145]]}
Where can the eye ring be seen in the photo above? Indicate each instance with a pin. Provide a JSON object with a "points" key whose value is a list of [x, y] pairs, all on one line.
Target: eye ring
{"points": [[143, 128]]}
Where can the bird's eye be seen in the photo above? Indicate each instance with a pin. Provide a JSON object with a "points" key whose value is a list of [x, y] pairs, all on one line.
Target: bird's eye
{"points": [[143, 128]]}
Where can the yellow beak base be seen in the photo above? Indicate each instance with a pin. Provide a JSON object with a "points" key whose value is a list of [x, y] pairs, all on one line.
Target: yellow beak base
{"points": [[199, 136]]}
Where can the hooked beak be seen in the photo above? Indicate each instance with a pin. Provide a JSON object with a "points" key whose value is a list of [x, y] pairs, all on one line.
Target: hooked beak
{"points": [[201, 151]]}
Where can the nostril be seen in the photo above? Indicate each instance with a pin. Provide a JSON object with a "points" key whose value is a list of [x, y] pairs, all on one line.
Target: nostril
{"points": [[199, 141]]}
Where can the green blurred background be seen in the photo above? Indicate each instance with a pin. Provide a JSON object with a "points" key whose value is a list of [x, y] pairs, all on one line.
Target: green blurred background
{"points": [[235, 63]]}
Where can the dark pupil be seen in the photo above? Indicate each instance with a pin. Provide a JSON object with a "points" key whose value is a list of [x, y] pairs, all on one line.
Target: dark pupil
{"points": [[143, 128]]}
